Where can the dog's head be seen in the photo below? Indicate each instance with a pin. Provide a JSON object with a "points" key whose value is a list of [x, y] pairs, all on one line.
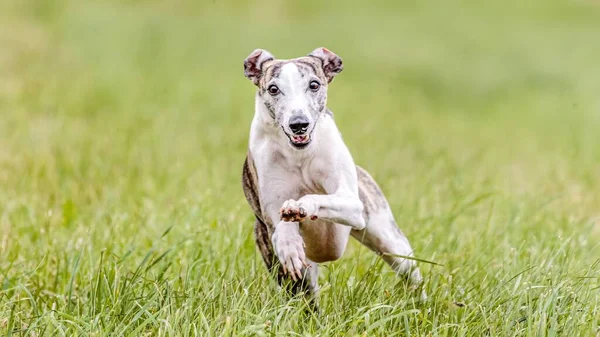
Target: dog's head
{"points": [[294, 92]]}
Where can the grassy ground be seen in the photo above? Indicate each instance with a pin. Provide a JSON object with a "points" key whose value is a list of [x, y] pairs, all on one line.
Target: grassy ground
{"points": [[123, 127]]}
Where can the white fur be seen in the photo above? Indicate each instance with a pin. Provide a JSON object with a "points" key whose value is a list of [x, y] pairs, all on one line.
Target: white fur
{"points": [[325, 166]]}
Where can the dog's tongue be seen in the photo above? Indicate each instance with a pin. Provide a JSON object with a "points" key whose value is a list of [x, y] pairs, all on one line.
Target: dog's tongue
{"points": [[300, 139]]}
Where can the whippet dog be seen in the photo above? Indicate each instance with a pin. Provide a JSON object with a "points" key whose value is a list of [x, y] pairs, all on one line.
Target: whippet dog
{"points": [[307, 194]]}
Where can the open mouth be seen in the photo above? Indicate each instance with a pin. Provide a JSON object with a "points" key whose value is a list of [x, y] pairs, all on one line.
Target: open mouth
{"points": [[300, 141]]}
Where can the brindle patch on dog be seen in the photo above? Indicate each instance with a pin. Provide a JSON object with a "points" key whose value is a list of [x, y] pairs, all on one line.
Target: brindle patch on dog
{"points": [[369, 193]]}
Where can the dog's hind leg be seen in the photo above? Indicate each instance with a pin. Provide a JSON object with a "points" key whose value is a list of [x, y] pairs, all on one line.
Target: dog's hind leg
{"points": [[307, 284], [381, 233], [384, 238]]}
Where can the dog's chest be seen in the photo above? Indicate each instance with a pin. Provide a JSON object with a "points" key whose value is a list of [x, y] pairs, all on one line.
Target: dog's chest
{"points": [[308, 178], [312, 182]]}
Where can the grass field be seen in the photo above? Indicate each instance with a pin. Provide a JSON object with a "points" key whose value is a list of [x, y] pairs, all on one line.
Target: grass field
{"points": [[124, 125]]}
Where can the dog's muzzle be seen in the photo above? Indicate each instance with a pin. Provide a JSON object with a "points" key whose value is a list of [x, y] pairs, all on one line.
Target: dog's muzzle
{"points": [[299, 125]]}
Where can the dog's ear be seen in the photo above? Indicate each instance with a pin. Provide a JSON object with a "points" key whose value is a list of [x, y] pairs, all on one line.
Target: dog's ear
{"points": [[254, 62], [332, 64]]}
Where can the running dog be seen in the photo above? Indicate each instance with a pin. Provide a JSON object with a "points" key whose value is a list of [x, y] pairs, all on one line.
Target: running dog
{"points": [[307, 194]]}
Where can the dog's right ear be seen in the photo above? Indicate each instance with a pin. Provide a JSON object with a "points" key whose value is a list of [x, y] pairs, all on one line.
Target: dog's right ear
{"points": [[254, 62]]}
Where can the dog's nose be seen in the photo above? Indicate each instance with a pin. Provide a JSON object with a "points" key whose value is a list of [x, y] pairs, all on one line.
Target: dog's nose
{"points": [[299, 124]]}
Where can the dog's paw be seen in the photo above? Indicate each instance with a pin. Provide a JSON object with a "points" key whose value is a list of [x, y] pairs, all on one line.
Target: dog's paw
{"points": [[293, 210], [290, 251]]}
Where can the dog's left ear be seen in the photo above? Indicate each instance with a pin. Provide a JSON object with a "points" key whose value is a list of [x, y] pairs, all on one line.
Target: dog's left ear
{"points": [[254, 62], [332, 64]]}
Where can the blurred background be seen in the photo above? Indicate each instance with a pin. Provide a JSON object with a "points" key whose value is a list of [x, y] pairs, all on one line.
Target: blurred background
{"points": [[122, 119], [127, 99]]}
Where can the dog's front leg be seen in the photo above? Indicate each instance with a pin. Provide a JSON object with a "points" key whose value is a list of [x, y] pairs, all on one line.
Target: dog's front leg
{"points": [[342, 208], [289, 248]]}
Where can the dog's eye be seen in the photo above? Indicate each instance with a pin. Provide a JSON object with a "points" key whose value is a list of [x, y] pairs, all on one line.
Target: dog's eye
{"points": [[314, 85], [273, 90]]}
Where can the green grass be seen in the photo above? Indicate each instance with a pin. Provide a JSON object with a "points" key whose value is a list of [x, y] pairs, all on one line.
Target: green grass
{"points": [[123, 127]]}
